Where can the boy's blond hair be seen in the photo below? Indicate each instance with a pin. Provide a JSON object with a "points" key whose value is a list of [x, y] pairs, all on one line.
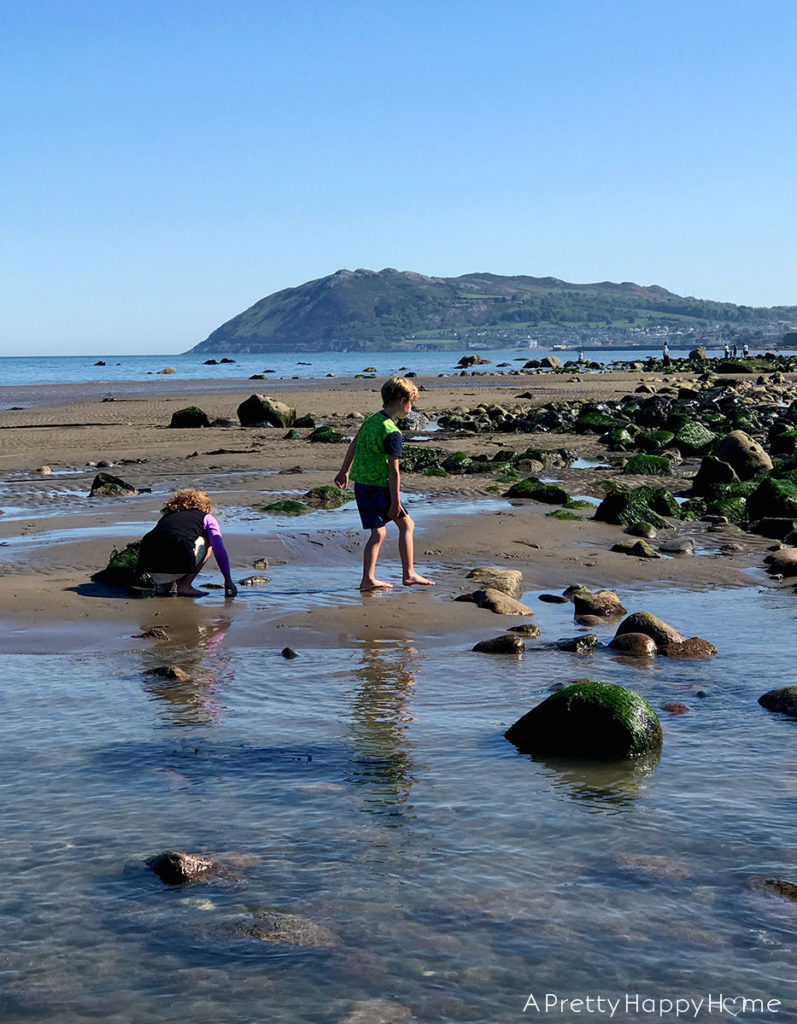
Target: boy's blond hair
{"points": [[186, 498], [397, 388]]}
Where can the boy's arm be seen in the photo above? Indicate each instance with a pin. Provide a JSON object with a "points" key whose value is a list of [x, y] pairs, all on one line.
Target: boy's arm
{"points": [[342, 479], [394, 486]]}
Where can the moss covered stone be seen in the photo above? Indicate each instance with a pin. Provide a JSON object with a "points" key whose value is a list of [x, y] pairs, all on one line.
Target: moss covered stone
{"points": [[591, 719], [416, 458], [648, 465], [562, 513], [653, 441], [596, 423], [773, 497], [549, 494], [694, 439], [287, 507], [637, 506], [457, 462], [328, 497], [325, 435], [191, 416]]}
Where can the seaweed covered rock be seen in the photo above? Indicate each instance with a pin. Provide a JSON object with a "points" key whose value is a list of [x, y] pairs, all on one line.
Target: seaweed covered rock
{"points": [[549, 494], [773, 497], [416, 458], [637, 506], [591, 719], [327, 497], [325, 435], [694, 439], [191, 416], [122, 569], [713, 472], [261, 410], [648, 465], [106, 485]]}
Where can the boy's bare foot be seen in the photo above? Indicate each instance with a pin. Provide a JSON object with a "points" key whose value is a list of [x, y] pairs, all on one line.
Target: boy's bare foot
{"points": [[192, 592], [375, 585], [416, 580]]}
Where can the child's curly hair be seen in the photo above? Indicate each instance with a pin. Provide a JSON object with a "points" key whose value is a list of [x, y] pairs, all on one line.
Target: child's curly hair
{"points": [[397, 388], [186, 498]]}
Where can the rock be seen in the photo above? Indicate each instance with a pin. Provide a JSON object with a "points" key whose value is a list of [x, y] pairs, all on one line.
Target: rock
{"points": [[325, 435], [105, 485], [122, 569], [378, 1011], [286, 507], [743, 454], [699, 354], [327, 497], [289, 653], [467, 361], [176, 868], [509, 581], [648, 465], [635, 645], [44, 471], [282, 929], [191, 416], [776, 885], [527, 629], [589, 719], [496, 601], [168, 369], [254, 581], [549, 494], [551, 363], [675, 707], [261, 410], [678, 546], [552, 599], [413, 422], [171, 672], [603, 603], [260, 563], [694, 439], [693, 648], [773, 498], [783, 699], [636, 506], [650, 625], [153, 633], [783, 562], [506, 644], [578, 644], [638, 548]]}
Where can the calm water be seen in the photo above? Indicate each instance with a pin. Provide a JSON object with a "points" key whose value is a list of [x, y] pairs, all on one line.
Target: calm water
{"points": [[369, 791], [191, 366]]}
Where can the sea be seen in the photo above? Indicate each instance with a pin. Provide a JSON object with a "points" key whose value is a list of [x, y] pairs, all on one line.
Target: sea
{"points": [[385, 854]]}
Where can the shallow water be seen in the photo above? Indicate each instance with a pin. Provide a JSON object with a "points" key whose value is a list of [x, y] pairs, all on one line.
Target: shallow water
{"points": [[370, 791]]}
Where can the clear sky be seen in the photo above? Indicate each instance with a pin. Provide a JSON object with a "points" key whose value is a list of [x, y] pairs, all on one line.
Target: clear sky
{"points": [[166, 163]]}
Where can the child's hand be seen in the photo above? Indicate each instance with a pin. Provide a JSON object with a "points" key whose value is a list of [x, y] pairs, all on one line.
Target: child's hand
{"points": [[230, 589], [342, 480]]}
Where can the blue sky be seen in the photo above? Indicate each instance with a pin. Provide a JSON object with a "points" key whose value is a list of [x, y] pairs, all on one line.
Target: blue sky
{"points": [[166, 164]]}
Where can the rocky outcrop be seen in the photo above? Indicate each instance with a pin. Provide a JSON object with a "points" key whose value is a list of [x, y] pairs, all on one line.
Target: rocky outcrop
{"points": [[263, 411], [509, 581]]}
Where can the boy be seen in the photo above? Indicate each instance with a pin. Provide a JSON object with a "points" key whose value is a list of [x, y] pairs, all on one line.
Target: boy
{"points": [[373, 456]]}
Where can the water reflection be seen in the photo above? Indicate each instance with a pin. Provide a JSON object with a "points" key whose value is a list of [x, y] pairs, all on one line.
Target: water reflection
{"points": [[377, 729], [189, 696], [607, 785]]}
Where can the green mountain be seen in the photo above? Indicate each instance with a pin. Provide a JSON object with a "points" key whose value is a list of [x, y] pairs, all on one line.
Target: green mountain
{"points": [[390, 309]]}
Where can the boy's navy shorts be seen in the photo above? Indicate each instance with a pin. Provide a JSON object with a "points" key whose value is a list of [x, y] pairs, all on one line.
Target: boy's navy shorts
{"points": [[373, 504]]}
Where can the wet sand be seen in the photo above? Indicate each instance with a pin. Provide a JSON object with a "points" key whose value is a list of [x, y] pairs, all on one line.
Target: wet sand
{"points": [[53, 537]]}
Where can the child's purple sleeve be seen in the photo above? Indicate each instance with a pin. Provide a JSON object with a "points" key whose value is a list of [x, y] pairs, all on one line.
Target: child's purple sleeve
{"points": [[217, 544]]}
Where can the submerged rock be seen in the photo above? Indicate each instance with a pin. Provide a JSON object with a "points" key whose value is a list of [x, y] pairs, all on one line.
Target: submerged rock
{"points": [[675, 707], [590, 719], [176, 868], [171, 672], [783, 700], [636, 645], [527, 629], [694, 648], [506, 644]]}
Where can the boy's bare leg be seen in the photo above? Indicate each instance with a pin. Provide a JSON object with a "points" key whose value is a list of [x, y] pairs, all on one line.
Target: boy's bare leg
{"points": [[370, 555], [407, 554]]}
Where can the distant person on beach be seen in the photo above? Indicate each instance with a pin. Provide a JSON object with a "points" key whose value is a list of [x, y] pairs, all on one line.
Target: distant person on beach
{"points": [[373, 457], [735, 351], [745, 350], [727, 350], [666, 354], [177, 548]]}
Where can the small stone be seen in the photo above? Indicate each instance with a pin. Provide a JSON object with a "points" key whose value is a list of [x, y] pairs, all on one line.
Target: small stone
{"points": [[171, 672], [552, 598], [254, 581], [44, 470], [635, 645], [675, 707], [261, 563], [506, 644], [578, 644], [528, 630], [153, 633]]}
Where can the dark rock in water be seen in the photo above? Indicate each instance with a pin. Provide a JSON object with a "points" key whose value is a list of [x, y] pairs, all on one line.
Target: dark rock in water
{"points": [[578, 644], [603, 603], [254, 581], [650, 625], [528, 630], [289, 653], [191, 416], [100, 362], [552, 599], [510, 581], [675, 707], [637, 548], [261, 410], [226, 359], [280, 929], [506, 644], [783, 700], [153, 633], [260, 563], [106, 485], [693, 648], [172, 672], [473, 360], [635, 645], [590, 719], [176, 868], [775, 885], [699, 354], [211, 362]]}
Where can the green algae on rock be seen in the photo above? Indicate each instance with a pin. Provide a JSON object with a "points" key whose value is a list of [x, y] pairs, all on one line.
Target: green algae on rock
{"points": [[287, 507], [590, 719], [328, 497], [532, 488]]}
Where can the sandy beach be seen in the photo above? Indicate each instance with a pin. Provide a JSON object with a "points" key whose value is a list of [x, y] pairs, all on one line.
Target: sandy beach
{"points": [[54, 537]]}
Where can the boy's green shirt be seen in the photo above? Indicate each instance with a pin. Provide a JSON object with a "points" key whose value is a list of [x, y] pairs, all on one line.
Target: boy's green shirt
{"points": [[369, 465]]}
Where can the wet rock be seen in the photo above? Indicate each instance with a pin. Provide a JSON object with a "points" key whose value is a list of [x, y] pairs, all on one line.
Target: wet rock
{"points": [[527, 629], [638, 548], [413, 422], [694, 439], [731, 548], [773, 498], [678, 546], [783, 562], [171, 672], [713, 473], [281, 929], [474, 360], [783, 700], [589, 719], [168, 369], [191, 416], [506, 644], [509, 581], [693, 648], [603, 603], [262, 410], [778, 886], [533, 489], [378, 1011], [745, 455], [551, 363], [635, 645], [106, 485], [496, 601], [176, 868], [261, 563], [552, 599], [675, 707], [328, 497], [289, 653], [642, 530], [654, 866], [122, 569], [578, 644], [44, 471], [648, 465], [325, 435], [637, 506], [647, 623], [153, 633], [254, 581]]}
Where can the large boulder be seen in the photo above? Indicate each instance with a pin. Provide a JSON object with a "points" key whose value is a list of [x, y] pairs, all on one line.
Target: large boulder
{"points": [[647, 623], [745, 455], [773, 498], [191, 416], [713, 473], [551, 363], [591, 719], [783, 562], [510, 581], [261, 410]]}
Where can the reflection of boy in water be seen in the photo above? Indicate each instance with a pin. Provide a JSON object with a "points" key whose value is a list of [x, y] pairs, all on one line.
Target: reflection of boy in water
{"points": [[177, 548], [373, 457]]}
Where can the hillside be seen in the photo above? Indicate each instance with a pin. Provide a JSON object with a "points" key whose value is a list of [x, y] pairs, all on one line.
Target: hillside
{"points": [[366, 309]]}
